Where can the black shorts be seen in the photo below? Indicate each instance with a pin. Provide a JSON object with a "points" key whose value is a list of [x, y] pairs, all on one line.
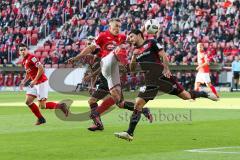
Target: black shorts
{"points": [[164, 85], [101, 91], [236, 74]]}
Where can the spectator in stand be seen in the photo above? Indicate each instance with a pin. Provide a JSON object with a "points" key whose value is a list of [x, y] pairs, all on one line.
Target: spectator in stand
{"points": [[17, 82], [236, 71], [48, 60], [68, 41], [62, 59], [5, 62], [2, 81], [9, 80]]}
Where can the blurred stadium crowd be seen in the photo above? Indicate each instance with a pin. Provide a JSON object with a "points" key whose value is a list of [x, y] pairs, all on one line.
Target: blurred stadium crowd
{"points": [[71, 24]]}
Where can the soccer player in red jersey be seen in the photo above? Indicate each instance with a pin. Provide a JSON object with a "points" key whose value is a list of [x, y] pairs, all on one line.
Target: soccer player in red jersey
{"points": [[38, 87], [110, 43], [203, 71]]}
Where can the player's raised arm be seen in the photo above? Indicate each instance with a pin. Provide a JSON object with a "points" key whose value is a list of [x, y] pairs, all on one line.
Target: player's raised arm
{"points": [[166, 70], [89, 49]]}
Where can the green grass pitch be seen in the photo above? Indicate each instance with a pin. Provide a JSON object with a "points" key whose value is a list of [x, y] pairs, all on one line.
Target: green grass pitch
{"points": [[182, 130]]}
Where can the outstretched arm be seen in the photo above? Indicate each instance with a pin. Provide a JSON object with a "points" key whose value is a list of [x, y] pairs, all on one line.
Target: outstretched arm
{"points": [[89, 49], [166, 70]]}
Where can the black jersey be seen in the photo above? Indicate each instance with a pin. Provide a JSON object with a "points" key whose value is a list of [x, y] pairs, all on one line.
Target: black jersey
{"points": [[149, 52], [149, 60]]}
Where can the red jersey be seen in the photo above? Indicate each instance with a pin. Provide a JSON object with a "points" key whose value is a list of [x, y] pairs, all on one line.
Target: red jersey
{"points": [[107, 42], [31, 63], [2, 80], [202, 58]]}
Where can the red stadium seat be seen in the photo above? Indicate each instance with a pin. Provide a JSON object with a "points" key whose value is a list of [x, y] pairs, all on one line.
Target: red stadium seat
{"points": [[42, 60], [52, 50], [44, 54], [47, 65], [16, 30], [206, 45], [29, 32], [35, 31], [33, 40], [23, 30], [28, 35], [69, 66], [82, 22], [214, 44], [47, 47], [38, 54], [53, 47], [52, 54], [222, 44], [10, 29], [61, 65]]}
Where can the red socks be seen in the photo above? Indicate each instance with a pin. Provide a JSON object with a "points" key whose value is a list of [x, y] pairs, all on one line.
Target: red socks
{"points": [[51, 105], [34, 108], [106, 104], [214, 90]]}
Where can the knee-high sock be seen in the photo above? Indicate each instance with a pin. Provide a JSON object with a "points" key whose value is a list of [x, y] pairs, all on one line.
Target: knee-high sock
{"points": [[34, 108], [213, 90], [136, 116], [128, 105], [51, 105], [106, 104], [93, 106], [196, 94]]}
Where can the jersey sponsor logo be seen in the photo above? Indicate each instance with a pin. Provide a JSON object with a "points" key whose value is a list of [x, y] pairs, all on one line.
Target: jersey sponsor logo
{"points": [[175, 86], [143, 89], [159, 46], [111, 46]]}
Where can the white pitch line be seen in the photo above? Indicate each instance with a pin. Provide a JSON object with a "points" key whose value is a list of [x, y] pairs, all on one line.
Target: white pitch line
{"points": [[213, 150]]}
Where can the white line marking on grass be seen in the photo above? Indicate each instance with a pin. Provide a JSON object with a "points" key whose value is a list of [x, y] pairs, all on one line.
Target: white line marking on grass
{"points": [[215, 150]]}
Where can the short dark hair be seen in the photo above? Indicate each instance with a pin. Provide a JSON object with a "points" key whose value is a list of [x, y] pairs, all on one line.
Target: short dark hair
{"points": [[137, 32], [22, 45]]}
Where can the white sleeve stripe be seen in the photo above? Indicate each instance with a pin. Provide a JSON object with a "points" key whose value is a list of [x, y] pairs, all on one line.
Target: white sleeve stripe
{"points": [[159, 46]]}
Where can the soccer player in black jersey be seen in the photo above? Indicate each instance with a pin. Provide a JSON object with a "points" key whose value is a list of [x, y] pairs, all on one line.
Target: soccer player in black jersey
{"points": [[147, 54]]}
